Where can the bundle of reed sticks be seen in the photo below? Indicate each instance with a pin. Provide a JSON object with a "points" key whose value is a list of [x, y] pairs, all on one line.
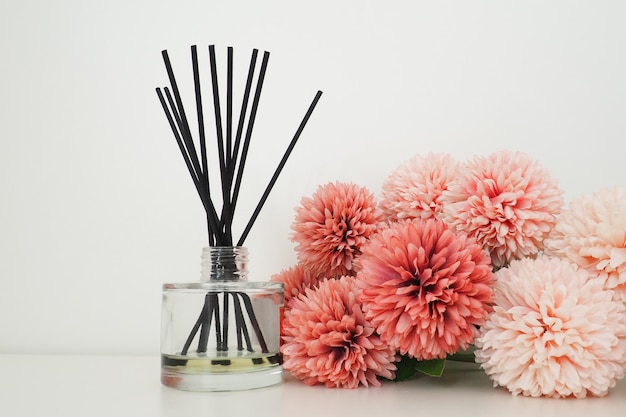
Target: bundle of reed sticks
{"points": [[232, 145], [232, 152]]}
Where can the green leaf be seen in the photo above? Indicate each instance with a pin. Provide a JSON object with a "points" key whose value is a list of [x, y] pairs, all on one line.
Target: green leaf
{"points": [[407, 368], [433, 367]]}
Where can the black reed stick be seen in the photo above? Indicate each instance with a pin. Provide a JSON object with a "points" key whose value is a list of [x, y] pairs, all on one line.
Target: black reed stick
{"points": [[241, 325], [218, 325], [201, 133], [242, 113], [225, 316], [218, 112], [255, 324], [179, 141], [227, 211], [279, 169], [205, 328], [229, 109], [201, 319], [246, 141], [185, 132], [222, 149]]}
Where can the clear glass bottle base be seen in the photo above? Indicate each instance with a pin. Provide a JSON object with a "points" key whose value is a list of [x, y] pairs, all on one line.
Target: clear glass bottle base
{"points": [[223, 333], [220, 374]]}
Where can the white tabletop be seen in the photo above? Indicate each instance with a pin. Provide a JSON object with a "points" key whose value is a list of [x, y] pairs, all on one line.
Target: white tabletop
{"points": [[91, 386]]}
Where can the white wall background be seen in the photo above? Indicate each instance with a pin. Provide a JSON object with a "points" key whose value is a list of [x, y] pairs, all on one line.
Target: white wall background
{"points": [[97, 209]]}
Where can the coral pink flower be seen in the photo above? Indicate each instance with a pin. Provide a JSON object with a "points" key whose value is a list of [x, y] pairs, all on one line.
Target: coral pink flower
{"points": [[327, 340], [591, 232], [424, 288], [553, 332], [332, 225], [507, 201], [296, 280], [413, 190]]}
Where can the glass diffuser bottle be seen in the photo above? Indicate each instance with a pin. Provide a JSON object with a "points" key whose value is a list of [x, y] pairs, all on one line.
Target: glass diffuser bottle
{"points": [[222, 333]]}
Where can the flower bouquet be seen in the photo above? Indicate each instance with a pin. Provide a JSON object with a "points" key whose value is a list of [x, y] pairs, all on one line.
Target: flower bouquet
{"points": [[481, 257]]}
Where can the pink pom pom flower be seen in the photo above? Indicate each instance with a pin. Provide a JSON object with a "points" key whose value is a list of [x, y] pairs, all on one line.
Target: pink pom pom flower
{"points": [[413, 190], [296, 280], [425, 288], [554, 332], [328, 341], [331, 227], [591, 232], [507, 201]]}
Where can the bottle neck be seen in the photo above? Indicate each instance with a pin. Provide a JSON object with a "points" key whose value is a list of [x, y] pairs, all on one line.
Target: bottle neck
{"points": [[224, 263]]}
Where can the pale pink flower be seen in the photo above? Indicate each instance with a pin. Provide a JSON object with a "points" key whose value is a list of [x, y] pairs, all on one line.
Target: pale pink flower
{"points": [[554, 332], [507, 201], [331, 227], [328, 341], [425, 288], [413, 190], [591, 232], [296, 280]]}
